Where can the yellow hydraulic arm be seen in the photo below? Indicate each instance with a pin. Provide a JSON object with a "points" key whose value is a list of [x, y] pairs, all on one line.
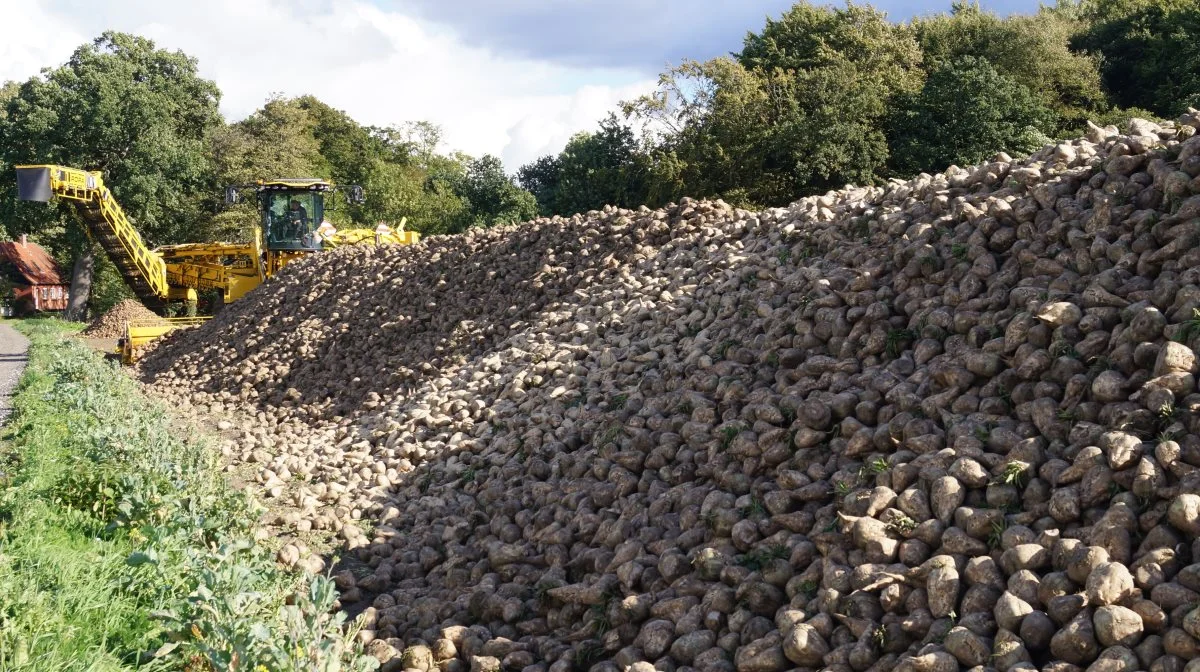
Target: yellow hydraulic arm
{"points": [[145, 271]]}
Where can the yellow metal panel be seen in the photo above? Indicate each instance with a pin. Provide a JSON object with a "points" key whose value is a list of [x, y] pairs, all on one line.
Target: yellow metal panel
{"points": [[238, 286], [140, 333]]}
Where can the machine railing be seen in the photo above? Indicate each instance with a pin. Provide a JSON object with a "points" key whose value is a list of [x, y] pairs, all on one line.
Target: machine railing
{"points": [[106, 222]]}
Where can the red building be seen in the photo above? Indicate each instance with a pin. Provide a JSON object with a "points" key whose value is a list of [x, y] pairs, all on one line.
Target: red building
{"points": [[36, 280]]}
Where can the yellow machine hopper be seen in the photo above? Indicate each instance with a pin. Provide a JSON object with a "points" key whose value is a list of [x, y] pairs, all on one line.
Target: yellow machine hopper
{"points": [[140, 333]]}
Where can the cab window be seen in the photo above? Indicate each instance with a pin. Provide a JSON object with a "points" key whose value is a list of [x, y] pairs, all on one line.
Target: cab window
{"points": [[291, 220]]}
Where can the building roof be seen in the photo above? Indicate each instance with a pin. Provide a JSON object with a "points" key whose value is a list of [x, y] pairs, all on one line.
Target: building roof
{"points": [[31, 262]]}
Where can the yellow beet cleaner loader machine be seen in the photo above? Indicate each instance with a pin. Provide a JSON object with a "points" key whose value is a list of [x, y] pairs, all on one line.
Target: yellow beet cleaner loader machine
{"points": [[292, 224]]}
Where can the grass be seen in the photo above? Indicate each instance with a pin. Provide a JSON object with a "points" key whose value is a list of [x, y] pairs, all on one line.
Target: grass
{"points": [[122, 548]]}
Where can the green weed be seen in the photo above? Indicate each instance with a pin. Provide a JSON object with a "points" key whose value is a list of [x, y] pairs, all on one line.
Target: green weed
{"points": [[728, 434], [755, 509], [896, 338], [761, 557], [121, 546], [902, 525], [1190, 327], [997, 533], [1013, 474]]}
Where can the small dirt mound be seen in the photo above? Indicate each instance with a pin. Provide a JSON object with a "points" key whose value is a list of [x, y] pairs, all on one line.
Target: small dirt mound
{"points": [[112, 323]]}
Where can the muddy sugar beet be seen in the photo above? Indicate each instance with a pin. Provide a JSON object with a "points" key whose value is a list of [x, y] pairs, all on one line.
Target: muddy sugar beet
{"points": [[112, 323], [941, 424]]}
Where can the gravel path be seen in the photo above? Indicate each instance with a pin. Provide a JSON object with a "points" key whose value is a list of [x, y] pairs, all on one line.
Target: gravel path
{"points": [[13, 355]]}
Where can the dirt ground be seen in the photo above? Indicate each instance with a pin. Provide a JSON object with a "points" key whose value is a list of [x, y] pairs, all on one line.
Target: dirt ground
{"points": [[13, 347], [103, 345]]}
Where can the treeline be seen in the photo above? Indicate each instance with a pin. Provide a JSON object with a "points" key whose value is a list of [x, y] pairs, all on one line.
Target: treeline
{"points": [[146, 118], [822, 97], [818, 98]]}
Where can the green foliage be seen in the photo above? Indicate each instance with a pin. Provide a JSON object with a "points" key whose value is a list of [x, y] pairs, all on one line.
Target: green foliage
{"points": [[276, 141], [798, 111], [1014, 474], [426, 197], [761, 557], [108, 287], [966, 112], [121, 546], [1150, 51], [491, 197], [1033, 51], [809, 37], [141, 114], [594, 169], [1120, 117]]}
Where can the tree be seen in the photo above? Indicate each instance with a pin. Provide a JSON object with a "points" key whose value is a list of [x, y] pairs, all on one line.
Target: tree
{"points": [[593, 170], [345, 147], [426, 196], [799, 110], [276, 141], [758, 139], [1034, 51], [491, 197], [809, 37], [1151, 51], [541, 178], [965, 113], [140, 114]]}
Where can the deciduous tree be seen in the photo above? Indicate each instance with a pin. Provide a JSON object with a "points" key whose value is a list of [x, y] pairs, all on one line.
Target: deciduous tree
{"points": [[965, 113], [140, 114]]}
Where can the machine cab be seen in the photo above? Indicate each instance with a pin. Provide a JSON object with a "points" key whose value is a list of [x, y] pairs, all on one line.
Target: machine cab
{"points": [[292, 210]]}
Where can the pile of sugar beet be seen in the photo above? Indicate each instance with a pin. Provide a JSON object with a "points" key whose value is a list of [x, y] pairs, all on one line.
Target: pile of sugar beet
{"points": [[111, 324], [948, 423]]}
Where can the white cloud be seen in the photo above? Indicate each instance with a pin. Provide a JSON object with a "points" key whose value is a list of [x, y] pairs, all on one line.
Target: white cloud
{"points": [[30, 40], [379, 65]]}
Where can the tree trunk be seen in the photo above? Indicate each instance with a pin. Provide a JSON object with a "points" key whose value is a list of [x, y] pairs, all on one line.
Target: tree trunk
{"points": [[81, 287]]}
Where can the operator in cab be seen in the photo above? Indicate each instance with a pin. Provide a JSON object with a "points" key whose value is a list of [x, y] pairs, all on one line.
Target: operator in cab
{"points": [[297, 218]]}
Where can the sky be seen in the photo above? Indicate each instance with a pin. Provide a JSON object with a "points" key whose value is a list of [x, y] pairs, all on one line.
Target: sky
{"points": [[512, 78]]}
